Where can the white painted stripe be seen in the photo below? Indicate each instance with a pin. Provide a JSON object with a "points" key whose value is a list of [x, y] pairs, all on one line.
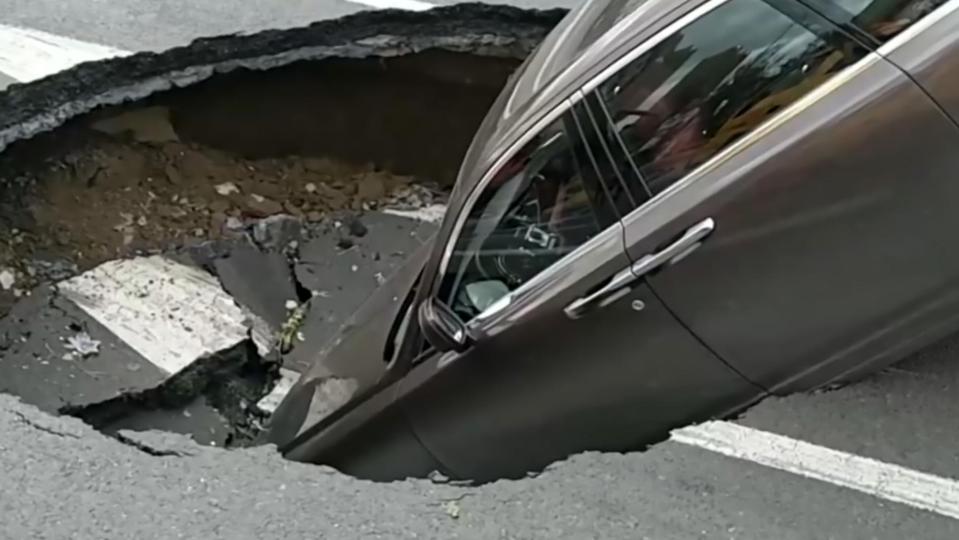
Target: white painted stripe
{"points": [[871, 476], [271, 401], [170, 313], [433, 213], [409, 5], [27, 55]]}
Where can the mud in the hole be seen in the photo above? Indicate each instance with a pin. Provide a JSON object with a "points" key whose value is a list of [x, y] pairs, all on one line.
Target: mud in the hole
{"points": [[195, 164]]}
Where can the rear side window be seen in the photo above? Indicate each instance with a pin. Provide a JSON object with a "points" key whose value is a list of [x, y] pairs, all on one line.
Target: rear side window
{"points": [[884, 19], [716, 80]]}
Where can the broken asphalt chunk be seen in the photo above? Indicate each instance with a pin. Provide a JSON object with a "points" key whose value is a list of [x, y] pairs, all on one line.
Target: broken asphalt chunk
{"points": [[153, 344], [33, 365], [349, 277], [261, 281]]}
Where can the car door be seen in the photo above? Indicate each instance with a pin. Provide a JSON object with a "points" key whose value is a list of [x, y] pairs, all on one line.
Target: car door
{"points": [[828, 176], [542, 381]]}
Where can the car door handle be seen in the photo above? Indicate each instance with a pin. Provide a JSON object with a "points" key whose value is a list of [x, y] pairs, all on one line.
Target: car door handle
{"points": [[673, 253], [621, 283], [599, 298]]}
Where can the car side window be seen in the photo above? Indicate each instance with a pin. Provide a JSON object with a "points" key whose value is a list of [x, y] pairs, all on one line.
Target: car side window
{"points": [[884, 19], [717, 79], [543, 203]]}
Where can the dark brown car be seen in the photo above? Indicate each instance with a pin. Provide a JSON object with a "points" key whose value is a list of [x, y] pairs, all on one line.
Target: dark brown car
{"points": [[674, 209]]}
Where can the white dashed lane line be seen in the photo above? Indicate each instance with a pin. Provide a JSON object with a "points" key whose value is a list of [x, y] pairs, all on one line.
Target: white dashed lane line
{"points": [[409, 5], [170, 313], [873, 477], [27, 55]]}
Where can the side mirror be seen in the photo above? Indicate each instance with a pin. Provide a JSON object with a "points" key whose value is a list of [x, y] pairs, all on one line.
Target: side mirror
{"points": [[442, 327]]}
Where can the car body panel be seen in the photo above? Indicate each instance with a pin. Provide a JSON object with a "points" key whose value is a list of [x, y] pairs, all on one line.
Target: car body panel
{"points": [[534, 389], [821, 219], [929, 52]]}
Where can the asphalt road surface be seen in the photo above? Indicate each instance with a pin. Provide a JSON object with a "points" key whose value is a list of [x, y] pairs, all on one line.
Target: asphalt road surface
{"points": [[872, 460], [61, 479]]}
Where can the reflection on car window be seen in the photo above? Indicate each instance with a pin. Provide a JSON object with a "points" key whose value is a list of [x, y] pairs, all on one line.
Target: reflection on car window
{"points": [[716, 80], [883, 19], [610, 14], [542, 204]]}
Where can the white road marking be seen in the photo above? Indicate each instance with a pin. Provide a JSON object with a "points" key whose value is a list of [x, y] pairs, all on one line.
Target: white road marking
{"points": [[410, 5], [170, 313], [27, 55], [271, 401], [871, 476], [433, 213]]}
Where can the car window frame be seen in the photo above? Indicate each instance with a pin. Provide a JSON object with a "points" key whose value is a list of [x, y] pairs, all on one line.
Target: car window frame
{"points": [[438, 261], [842, 18], [581, 93], [564, 107], [591, 90]]}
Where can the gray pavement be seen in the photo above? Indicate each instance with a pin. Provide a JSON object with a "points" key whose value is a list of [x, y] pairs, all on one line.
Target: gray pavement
{"points": [[160, 24], [64, 480]]}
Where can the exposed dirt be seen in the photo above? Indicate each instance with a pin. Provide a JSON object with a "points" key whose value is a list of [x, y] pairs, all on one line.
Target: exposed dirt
{"points": [[101, 202]]}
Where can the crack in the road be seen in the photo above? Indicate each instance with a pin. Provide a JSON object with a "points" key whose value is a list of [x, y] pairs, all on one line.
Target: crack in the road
{"points": [[39, 427], [147, 449]]}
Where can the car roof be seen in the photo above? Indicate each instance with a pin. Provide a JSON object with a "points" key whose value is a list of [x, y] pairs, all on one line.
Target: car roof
{"points": [[587, 34]]}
